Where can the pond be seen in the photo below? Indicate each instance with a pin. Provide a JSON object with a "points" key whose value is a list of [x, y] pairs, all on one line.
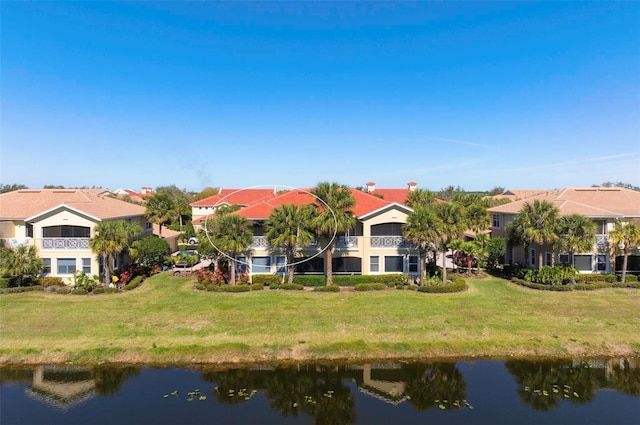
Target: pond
{"points": [[580, 391]]}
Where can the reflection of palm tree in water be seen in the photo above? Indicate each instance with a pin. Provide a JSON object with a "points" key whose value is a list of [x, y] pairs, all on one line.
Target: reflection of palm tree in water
{"points": [[431, 384]]}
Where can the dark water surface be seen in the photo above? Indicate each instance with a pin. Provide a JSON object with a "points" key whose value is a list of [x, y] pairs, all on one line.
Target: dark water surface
{"points": [[586, 391]]}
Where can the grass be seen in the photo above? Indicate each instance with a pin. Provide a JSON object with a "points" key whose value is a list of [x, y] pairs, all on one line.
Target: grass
{"points": [[166, 321]]}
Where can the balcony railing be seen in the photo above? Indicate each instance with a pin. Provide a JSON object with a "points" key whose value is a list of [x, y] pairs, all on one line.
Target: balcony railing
{"points": [[347, 242], [65, 243], [390, 242], [602, 242], [260, 242]]}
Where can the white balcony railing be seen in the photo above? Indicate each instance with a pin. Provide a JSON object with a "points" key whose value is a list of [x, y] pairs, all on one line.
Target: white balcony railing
{"points": [[390, 242], [602, 242], [65, 243], [347, 242], [260, 242]]}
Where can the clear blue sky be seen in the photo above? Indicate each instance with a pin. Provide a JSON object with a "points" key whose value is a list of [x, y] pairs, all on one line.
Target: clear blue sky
{"points": [[478, 94]]}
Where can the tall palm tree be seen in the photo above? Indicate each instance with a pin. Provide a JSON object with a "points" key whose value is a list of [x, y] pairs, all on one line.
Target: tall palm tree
{"points": [[111, 238], [478, 218], [534, 224], [289, 228], [454, 223], [576, 233], [622, 238], [161, 209], [232, 235], [20, 261], [423, 229], [335, 216]]}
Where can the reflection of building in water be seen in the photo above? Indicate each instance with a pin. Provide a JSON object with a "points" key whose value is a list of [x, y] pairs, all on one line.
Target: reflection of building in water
{"points": [[62, 386], [382, 382], [609, 366]]}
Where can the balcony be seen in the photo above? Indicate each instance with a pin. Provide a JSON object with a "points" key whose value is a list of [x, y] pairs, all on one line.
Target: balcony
{"points": [[260, 242], [602, 242], [347, 242], [65, 243], [390, 242]]}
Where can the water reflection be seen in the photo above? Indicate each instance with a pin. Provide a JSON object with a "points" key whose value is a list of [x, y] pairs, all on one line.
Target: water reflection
{"points": [[543, 385], [324, 394]]}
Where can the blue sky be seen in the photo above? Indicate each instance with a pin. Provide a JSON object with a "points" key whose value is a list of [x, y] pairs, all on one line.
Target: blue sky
{"points": [[478, 94]]}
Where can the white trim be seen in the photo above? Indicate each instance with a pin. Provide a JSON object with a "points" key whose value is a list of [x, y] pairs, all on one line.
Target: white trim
{"points": [[401, 207], [64, 206]]}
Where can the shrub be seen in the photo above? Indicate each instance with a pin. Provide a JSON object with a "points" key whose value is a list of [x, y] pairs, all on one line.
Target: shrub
{"points": [[50, 281], [20, 289], [310, 280], [629, 278], [458, 285], [79, 291], [257, 287], [135, 282], [290, 287], [591, 278], [611, 278], [332, 288], [63, 290], [236, 288], [4, 282], [370, 287], [266, 279], [200, 287]]}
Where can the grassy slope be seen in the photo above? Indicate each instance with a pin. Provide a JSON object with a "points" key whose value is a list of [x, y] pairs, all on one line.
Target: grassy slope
{"points": [[166, 321]]}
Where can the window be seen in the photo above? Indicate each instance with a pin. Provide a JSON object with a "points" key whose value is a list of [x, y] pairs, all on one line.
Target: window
{"points": [[582, 262], [66, 232], [393, 264], [66, 265], [86, 265], [281, 262], [414, 261], [532, 257], [148, 225], [260, 265], [496, 220], [29, 229], [347, 265], [386, 229], [602, 262], [47, 265], [241, 264], [374, 264], [563, 258], [307, 265], [547, 258]]}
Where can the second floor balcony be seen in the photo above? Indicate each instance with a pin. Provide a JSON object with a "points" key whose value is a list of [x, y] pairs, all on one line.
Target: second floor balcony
{"points": [[65, 243], [390, 242]]}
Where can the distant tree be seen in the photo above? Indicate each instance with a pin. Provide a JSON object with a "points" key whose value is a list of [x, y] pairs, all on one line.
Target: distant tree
{"points": [[335, 217], [161, 209], [52, 186], [181, 200], [20, 262], [497, 190], [478, 218], [618, 184], [232, 235], [622, 238], [4, 188], [576, 233], [110, 239], [423, 229], [205, 193], [289, 228], [495, 248], [150, 250], [447, 193]]}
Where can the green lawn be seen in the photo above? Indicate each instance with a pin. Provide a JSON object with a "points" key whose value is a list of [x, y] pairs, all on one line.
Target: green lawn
{"points": [[166, 321]]}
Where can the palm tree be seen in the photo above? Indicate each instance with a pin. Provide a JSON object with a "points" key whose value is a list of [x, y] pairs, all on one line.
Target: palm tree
{"points": [[478, 218], [289, 227], [161, 208], [111, 238], [231, 234], [534, 224], [423, 229], [420, 197], [576, 233], [335, 203], [623, 237], [454, 223], [20, 262]]}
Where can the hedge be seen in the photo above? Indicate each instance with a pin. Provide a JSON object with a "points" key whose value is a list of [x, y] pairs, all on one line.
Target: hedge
{"points": [[288, 287], [134, 283], [352, 280], [310, 280], [370, 287], [257, 287], [458, 285], [266, 279], [19, 289], [578, 286], [50, 281]]}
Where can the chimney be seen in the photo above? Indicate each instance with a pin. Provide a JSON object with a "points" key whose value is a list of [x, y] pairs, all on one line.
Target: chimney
{"points": [[412, 186], [145, 190], [371, 186]]}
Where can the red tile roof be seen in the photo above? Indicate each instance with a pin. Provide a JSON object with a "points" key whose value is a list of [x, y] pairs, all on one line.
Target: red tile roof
{"points": [[236, 197]]}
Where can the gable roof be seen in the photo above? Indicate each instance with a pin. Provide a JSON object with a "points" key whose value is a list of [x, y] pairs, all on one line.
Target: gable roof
{"points": [[22, 204], [590, 202], [364, 203], [518, 194]]}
